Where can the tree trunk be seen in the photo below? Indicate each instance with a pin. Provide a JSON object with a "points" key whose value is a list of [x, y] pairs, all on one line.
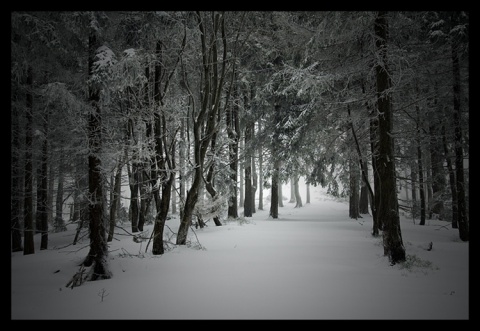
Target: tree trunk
{"points": [[260, 174], [115, 200], [354, 199], [247, 206], [182, 160], [280, 190], [168, 166], [16, 186], [451, 177], [388, 210], [274, 192], [50, 192], [292, 190], [209, 183], [254, 171], [363, 205], [98, 241], [42, 213], [233, 131], [81, 214], [160, 219], [308, 192], [174, 196], [134, 187], [298, 197], [438, 174], [375, 197], [29, 246], [59, 222], [420, 183], [241, 198], [463, 225]]}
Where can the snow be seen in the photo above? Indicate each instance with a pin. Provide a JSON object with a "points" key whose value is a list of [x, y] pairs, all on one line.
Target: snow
{"points": [[312, 262]]}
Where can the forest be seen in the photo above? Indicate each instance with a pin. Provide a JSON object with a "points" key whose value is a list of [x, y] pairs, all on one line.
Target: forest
{"points": [[125, 118]]}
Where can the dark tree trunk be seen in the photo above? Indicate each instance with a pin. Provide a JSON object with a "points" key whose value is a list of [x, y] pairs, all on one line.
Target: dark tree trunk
{"points": [[209, 183], [39, 209], [260, 173], [388, 209], [274, 192], [233, 131], [29, 246], [50, 193], [451, 177], [363, 205], [158, 229], [463, 225], [134, 188], [354, 198], [241, 199], [98, 253], [280, 189], [420, 184], [247, 206], [254, 171], [15, 183], [162, 214], [144, 197], [182, 158], [413, 176], [59, 222], [375, 197], [42, 215], [438, 174]]}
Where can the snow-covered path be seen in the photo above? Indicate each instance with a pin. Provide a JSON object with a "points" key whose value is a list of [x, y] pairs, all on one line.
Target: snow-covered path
{"points": [[312, 263]]}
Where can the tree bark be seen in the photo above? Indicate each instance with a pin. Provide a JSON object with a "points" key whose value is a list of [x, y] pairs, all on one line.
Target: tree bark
{"points": [[98, 253], [260, 173], [420, 170], [247, 206], [363, 205], [274, 191], [421, 182], [298, 197], [292, 190], [308, 192], [29, 246], [388, 209], [42, 213], [451, 177], [354, 198], [438, 174], [16, 186], [275, 194], [375, 195], [233, 131], [59, 222], [463, 225]]}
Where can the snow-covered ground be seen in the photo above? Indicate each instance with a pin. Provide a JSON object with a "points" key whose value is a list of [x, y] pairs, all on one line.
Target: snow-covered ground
{"points": [[312, 262]]}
